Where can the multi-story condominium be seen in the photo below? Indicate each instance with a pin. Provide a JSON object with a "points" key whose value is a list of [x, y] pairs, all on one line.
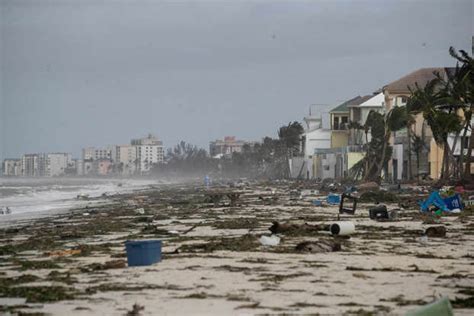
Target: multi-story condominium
{"points": [[149, 151], [125, 159], [54, 164], [11, 167], [30, 165], [92, 153]]}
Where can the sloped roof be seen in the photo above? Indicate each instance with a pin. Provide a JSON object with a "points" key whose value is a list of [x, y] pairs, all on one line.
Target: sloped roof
{"points": [[358, 101], [375, 101], [421, 77], [343, 107]]}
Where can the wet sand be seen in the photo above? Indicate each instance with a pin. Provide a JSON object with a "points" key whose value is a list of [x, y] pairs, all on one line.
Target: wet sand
{"points": [[213, 263]]}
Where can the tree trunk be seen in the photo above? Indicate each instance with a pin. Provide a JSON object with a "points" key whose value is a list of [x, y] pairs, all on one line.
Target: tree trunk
{"points": [[410, 174], [461, 152], [381, 164]]}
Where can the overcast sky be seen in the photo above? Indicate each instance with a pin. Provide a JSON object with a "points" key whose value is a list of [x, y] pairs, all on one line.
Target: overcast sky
{"points": [[90, 72]]}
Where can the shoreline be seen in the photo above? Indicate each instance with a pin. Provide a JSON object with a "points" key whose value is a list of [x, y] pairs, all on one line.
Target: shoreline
{"points": [[214, 264]]}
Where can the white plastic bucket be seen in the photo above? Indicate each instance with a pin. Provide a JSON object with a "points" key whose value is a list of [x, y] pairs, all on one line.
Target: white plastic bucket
{"points": [[342, 228]]}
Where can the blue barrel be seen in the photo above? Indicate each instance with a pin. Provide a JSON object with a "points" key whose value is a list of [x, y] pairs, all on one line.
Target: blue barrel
{"points": [[143, 252], [333, 199]]}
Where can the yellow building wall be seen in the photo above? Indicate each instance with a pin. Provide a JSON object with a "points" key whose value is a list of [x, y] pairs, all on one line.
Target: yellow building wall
{"points": [[353, 158], [339, 139], [436, 160]]}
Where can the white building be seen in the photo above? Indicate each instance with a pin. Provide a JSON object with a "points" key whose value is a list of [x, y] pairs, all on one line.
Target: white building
{"points": [[11, 167], [92, 153], [359, 113], [30, 165], [315, 137], [149, 151], [125, 159], [54, 164]]}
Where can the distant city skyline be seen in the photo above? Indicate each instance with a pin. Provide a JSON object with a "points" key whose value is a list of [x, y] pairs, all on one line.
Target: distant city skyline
{"points": [[87, 73]]}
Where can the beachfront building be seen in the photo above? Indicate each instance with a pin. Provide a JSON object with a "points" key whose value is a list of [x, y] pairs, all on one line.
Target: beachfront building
{"points": [[315, 137], [93, 153], [358, 113], [125, 159], [30, 165], [428, 160], [149, 151], [225, 148], [54, 164], [11, 167]]}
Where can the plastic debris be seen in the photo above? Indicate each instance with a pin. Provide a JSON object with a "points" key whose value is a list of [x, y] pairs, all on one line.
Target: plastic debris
{"points": [[62, 253], [379, 212], [333, 199], [317, 203], [441, 307], [347, 198], [342, 228], [272, 240], [443, 205], [318, 246], [140, 211]]}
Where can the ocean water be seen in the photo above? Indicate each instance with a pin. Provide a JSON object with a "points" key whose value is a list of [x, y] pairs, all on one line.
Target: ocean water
{"points": [[33, 196]]}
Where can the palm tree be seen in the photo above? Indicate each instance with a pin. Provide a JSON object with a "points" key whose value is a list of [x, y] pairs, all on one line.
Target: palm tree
{"points": [[441, 119], [394, 120]]}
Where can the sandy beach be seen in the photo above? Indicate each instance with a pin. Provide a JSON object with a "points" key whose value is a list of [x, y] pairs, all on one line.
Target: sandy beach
{"points": [[213, 263]]}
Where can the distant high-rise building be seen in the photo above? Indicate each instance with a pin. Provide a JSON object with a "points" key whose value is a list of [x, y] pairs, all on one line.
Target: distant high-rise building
{"points": [[11, 167], [30, 165], [92, 153], [125, 159], [149, 151]]}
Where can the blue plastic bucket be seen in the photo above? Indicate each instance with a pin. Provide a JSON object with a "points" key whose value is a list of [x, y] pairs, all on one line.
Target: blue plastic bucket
{"points": [[453, 202], [143, 252], [333, 199]]}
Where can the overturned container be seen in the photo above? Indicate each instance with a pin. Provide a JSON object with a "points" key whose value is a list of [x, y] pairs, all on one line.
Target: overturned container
{"points": [[143, 252], [342, 228]]}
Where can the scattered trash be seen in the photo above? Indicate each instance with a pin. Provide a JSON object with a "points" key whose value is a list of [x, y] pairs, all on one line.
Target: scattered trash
{"points": [[436, 231], [82, 196], [136, 310], [317, 203], [86, 214], [174, 232], [459, 189], [143, 252], [272, 240], [278, 228], [423, 239], [62, 253], [342, 228], [349, 198], [140, 211], [295, 195], [318, 246], [453, 202], [379, 212], [207, 181], [309, 192], [368, 186], [5, 211], [442, 205], [333, 199], [441, 307]]}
